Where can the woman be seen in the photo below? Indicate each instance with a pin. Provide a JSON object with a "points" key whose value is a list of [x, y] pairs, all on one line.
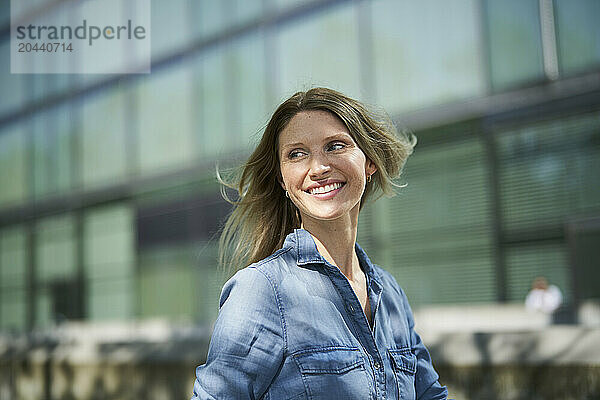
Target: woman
{"points": [[311, 317]]}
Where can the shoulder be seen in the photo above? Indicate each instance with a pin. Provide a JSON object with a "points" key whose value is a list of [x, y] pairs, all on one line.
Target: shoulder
{"points": [[554, 288], [249, 302], [248, 285], [276, 265], [257, 282]]}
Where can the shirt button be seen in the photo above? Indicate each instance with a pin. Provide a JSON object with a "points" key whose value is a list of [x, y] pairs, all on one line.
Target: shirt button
{"points": [[351, 308], [377, 365]]}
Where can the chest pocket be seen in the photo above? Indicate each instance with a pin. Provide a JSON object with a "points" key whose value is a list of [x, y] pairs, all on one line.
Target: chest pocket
{"points": [[404, 363], [334, 373]]}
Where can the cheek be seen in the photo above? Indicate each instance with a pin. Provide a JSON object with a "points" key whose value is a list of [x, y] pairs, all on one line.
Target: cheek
{"points": [[290, 175], [354, 165]]}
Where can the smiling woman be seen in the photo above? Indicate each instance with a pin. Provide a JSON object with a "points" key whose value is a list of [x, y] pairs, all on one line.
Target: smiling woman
{"points": [[310, 316], [263, 204]]}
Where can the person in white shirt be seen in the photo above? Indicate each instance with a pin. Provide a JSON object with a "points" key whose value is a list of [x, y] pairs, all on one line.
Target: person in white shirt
{"points": [[543, 297]]}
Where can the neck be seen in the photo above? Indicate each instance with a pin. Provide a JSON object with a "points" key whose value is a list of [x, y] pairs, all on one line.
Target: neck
{"points": [[335, 241]]}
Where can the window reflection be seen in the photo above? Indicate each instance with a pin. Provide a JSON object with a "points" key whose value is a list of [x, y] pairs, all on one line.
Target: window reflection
{"points": [[320, 51], [103, 142], [165, 120], [578, 34], [426, 52], [515, 43]]}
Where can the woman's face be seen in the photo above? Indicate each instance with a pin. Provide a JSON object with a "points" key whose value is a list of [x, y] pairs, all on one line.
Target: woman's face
{"points": [[323, 169]]}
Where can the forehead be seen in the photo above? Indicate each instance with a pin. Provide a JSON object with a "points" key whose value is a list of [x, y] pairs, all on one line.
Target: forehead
{"points": [[311, 125]]}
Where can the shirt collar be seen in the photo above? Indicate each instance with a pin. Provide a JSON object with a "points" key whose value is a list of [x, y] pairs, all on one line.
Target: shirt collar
{"points": [[306, 252]]}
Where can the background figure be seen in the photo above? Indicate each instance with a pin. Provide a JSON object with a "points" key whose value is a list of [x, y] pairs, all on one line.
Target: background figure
{"points": [[543, 297]]}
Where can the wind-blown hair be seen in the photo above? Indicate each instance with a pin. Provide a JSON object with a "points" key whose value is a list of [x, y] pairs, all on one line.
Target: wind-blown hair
{"points": [[262, 215]]}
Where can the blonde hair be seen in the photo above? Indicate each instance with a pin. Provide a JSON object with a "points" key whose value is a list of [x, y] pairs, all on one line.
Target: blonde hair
{"points": [[262, 216]]}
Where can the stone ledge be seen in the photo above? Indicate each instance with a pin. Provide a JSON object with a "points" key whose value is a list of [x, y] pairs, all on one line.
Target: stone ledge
{"points": [[555, 345]]}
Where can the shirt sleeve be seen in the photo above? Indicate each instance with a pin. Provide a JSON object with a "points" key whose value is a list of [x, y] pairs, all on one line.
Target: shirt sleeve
{"points": [[427, 383], [247, 344]]}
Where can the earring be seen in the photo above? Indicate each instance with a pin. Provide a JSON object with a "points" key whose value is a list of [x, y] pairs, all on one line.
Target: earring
{"points": [[287, 194], [368, 178]]}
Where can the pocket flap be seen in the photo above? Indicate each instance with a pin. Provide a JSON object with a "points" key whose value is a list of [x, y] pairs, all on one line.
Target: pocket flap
{"points": [[333, 360], [404, 360]]}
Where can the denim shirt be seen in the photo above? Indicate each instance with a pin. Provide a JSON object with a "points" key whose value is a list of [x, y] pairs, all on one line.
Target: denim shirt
{"points": [[291, 327]]}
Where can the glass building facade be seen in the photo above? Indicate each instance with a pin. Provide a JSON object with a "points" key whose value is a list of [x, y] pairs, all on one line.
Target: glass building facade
{"points": [[109, 206]]}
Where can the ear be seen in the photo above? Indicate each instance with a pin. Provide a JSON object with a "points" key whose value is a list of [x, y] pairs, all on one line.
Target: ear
{"points": [[370, 167]]}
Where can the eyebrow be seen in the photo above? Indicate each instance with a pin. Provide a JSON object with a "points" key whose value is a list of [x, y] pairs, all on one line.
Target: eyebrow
{"points": [[342, 135]]}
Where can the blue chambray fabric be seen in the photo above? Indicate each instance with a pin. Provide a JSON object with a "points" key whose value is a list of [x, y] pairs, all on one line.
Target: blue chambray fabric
{"points": [[291, 327]]}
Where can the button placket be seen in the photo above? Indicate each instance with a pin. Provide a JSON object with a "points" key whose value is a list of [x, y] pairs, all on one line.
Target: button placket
{"points": [[364, 330]]}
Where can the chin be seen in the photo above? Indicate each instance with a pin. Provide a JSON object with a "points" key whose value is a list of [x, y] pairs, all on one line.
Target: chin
{"points": [[325, 215]]}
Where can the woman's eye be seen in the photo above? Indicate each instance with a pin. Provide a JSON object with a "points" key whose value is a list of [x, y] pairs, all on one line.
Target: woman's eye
{"points": [[295, 154], [336, 146]]}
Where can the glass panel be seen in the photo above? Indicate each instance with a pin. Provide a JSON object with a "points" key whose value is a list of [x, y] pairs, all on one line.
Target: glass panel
{"points": [[13, 258], [13, 278], [62, 157], [103, 139], [170, 272], [243, 10], [431, 59], [286, 4], [43, 308], [52, 152], [208, 17], [109, 257], [13, 309], [583, 237], [169, 28], [55, 249], [439, 226], [549, 172], [165, 120], [515, 42], [320, 51], [110, 299], [13, 84], [13, 168], [248, 69], [578, 34], [212, 117], [45, 85], [4, 13], [42, 151], [109, 241]]}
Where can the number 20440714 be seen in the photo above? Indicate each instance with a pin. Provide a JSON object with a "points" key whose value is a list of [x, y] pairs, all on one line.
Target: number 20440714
{"points": [[49, 47]]}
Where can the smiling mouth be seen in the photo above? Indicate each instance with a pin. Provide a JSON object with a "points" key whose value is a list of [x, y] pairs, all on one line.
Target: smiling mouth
{"points": [[326, 188]]}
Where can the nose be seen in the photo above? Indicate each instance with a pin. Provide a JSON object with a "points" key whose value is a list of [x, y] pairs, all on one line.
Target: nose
{"points": [[319, 167]]}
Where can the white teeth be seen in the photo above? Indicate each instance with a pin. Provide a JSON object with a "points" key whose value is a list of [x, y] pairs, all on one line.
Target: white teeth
{"points": [[326, 188]]}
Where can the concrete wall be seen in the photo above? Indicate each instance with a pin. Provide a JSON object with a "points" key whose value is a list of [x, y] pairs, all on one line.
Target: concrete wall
{"points": [[505, 352], [151, 360], [561, 362]]}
